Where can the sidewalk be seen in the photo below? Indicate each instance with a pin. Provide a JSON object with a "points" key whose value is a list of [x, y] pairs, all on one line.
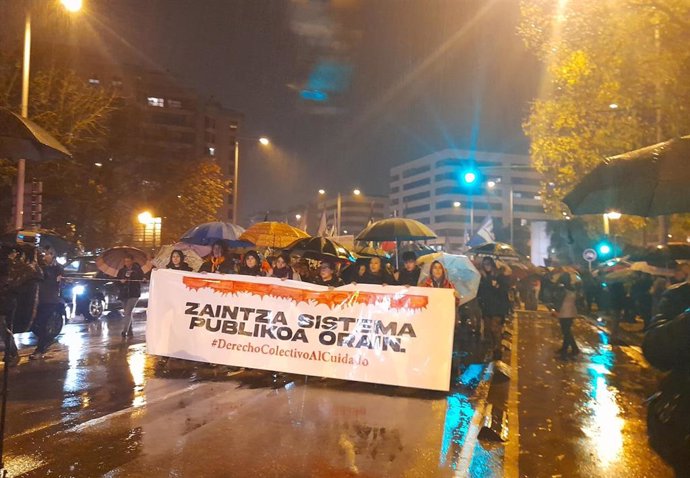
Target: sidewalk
{"points": [[585, 416]]}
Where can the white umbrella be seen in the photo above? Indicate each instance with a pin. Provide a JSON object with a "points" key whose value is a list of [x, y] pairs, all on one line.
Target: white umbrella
{"points": [[461, 272], [191, 257]]}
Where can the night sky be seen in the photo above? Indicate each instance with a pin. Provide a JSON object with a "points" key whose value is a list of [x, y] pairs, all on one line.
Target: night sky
{"points": [[425, 75]]}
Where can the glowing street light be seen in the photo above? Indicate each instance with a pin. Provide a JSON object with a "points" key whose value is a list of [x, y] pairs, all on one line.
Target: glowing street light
{"points": [[614, 215], [298, 216], [613, 106], [145, 217], [356, 192], [322, 192], [457, 204], [72, 5], [491, 184], [264, 141]]}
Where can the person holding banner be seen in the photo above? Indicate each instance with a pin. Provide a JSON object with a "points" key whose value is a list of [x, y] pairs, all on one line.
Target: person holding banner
{"points": [[251, 265], [375, 274], [218, 262], [409, 274], [177, 262], [282, 269], [327, 276]]}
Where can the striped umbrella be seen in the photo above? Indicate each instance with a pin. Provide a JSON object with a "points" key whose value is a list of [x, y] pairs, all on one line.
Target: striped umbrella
{"points": [[210, 232], [272, 234]]}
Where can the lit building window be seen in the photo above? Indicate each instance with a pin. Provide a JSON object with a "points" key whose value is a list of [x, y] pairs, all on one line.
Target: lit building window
{"points": [[157, 102], [174, 104]]}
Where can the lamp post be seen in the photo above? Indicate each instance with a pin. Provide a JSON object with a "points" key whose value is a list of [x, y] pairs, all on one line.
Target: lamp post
{"points": [[264, 141], [72, 6], [147, 221]]}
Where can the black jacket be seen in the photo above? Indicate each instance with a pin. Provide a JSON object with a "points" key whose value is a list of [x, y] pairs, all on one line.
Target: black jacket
{"points": [[382, 278], [227, 267], [409, 278], [131, 288], [493, 295], [49, 289], [182, 267], [334, 282]]}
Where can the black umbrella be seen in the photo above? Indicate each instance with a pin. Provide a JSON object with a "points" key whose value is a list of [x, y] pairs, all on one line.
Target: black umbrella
{"points": [[320, 248], [647, 182], [21, 138], [663, 256], [396, 229]]}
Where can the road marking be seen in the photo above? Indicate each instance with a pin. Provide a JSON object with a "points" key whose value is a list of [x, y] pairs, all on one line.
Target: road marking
{"points": [[462, 467], [97, 421], [511, 463]]}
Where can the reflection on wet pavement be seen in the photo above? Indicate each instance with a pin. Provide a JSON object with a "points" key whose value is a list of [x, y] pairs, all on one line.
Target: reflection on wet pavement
{"points": [[584, 417], [99, 405]]}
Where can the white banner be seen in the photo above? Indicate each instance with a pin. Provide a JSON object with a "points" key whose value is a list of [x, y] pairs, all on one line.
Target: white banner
{"points": [[369, 333]]}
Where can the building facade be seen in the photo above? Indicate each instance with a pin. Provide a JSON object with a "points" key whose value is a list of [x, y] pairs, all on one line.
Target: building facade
{"points": [[172, 121], [434, 190]]}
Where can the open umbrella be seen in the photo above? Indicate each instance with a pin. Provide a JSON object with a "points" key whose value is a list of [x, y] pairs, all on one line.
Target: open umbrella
{"points": [[369, 251], [495, 249], [461, 272], [208, 233], [113, 259], [396, 229], [663, 255], [272, 234], [21, 138], [320, 248], [647, 182], [191, 257]]}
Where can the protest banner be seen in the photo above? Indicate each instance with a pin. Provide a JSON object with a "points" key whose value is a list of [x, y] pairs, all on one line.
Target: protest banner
{"points": [[380, 334]]}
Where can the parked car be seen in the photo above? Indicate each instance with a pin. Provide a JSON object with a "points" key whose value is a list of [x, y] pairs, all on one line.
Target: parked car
{"points": [[88, 291]]}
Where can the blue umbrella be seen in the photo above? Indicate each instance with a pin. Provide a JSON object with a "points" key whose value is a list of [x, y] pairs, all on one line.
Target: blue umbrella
{"points": [[210, 232]]}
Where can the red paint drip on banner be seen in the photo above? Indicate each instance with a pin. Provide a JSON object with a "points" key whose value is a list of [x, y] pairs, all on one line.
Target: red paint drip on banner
{"points": [[329, 298]]}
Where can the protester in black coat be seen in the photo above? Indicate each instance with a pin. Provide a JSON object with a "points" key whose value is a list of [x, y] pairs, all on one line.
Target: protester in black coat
{"points": [[130, 277], [375, 274], [177, 261], [48, 321], [409, 274], [494, 302], [251, 265], [282, 268], [327, 276], [218, 262]]}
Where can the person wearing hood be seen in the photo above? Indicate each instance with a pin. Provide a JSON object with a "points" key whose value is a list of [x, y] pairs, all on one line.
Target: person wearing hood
{"points": [[177, 262], [282, 268], [251, 265], [494, 302], [130, 276], [218, 262], [409, 274]]}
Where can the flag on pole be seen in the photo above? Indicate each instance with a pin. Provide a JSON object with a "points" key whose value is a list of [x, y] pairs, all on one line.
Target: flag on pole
{"points": [[484, 234], [322, 225]]}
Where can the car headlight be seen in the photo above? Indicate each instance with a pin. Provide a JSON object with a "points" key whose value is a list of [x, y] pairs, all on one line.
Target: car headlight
{"points": [[78, 289]]}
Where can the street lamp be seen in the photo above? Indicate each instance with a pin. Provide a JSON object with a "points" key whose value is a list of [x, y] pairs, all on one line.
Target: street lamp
{"points": [[322, 192], [457, 204], [145, 217], [147, 221], [298, 216], [264, 141], [71, 6], [356, 192]]}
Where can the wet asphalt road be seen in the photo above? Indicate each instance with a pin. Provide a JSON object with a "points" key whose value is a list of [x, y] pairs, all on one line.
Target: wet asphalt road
{"points": [[100, 406]]}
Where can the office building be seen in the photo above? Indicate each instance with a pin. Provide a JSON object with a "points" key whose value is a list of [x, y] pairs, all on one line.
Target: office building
{"points": [[435, 190]]}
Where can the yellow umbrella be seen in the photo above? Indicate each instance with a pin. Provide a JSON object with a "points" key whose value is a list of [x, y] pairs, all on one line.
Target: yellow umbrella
{"points": [[272, 234]]}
